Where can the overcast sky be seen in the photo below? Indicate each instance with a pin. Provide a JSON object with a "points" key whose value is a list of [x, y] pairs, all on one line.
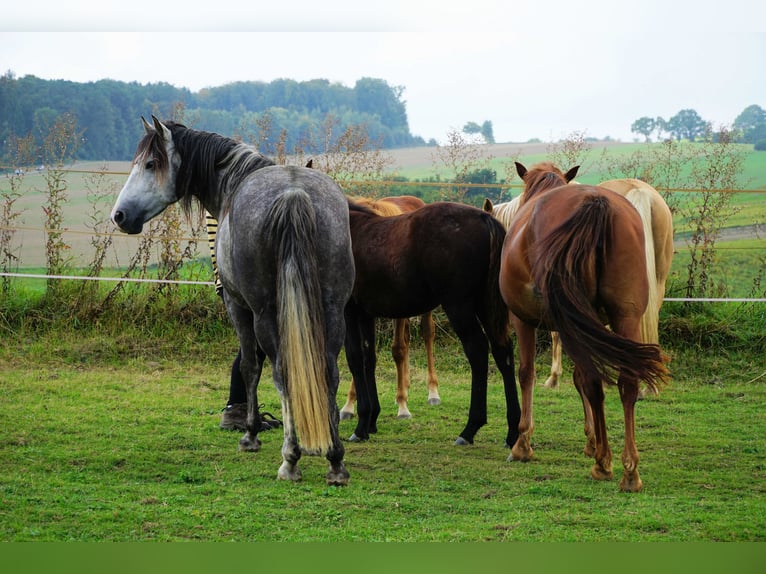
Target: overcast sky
{"points": [[534, 68]]}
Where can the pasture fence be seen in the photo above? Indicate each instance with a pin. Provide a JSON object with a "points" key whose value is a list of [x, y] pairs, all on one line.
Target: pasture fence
{"points": [[198, 236]]}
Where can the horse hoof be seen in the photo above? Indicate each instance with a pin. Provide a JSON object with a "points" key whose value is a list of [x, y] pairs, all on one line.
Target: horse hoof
{"points": [[354, 438], [434, 402], [460, 441], [337, 478], [345, 416], [247, 444], [631, 483], [598, 472], [289, 472], [404, 416]]}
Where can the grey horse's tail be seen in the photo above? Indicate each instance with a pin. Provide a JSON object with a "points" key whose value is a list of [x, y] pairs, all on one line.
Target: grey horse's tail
{"points": [[292, 225]]}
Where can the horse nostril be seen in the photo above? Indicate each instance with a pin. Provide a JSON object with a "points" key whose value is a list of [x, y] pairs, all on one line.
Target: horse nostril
{"points": [[118, 217]]}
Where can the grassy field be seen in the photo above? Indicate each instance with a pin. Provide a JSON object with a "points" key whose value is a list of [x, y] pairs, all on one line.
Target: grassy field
{"points": [[110, 433], [108, 437]]}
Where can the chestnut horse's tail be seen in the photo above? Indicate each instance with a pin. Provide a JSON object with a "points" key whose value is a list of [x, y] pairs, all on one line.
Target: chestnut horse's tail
{"points": [[292, 225], [572, 252]]}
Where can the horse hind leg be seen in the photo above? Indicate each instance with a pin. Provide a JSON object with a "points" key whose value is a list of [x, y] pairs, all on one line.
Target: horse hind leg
{"points": [[337, 475], [428, 332], [631, 481], [400, 351], [592, 389], [590, 437], [525, 335], [347, 412], [291, 452], [552, 382]]}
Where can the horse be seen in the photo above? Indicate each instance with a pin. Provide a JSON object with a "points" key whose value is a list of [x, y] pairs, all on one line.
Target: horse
{"points": [[400, 346], [284, 257], [444, 254], [658, 233], [573, 260]]}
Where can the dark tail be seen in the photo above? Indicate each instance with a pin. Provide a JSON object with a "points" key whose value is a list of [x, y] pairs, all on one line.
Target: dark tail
{"points": [[496, 320], [292, 224], [567, 255]]}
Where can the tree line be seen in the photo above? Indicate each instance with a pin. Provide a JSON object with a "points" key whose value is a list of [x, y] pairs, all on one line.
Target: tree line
{"points": [[285, 112], [748, 127]]}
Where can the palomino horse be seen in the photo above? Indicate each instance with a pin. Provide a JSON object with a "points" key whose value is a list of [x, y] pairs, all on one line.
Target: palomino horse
{"points": [[284, 257], [441, 254], [658, 233], [400, 346], [573, 260]]}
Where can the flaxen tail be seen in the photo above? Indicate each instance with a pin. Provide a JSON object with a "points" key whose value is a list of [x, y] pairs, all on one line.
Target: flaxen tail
{"points": [[573, 251], [650, 320], [302, 361]]}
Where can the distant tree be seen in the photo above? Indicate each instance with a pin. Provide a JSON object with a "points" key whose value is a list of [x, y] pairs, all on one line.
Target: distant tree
{"points": [[687, 124], [751, 123], [484, 129], [660, 126], [644, 126], [471, 128], [487, 132]]}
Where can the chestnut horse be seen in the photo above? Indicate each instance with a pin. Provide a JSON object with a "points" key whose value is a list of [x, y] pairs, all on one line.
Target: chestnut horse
{"points": [[573, 260], [658, 232], [444, 254], [400, 346]]}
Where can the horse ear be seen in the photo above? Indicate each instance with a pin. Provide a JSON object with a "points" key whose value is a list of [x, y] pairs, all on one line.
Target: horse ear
{"points": [[487, 206], [310, 163], [162, 129], [570, 175], [520, 169], [149, 129]]}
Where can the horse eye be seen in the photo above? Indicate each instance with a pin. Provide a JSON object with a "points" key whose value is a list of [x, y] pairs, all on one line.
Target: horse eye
{"points": [[149, 164]]}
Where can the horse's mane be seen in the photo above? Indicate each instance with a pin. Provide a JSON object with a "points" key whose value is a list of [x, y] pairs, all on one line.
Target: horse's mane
{"points": [[505, 211], [379, 207], [206, 158], [541, 177]]}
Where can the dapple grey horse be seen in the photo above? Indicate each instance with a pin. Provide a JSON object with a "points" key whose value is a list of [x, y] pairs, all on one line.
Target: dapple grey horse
{"points": [[284, 258]]}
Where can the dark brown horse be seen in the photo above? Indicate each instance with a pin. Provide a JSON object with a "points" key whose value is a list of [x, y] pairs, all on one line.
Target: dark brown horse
{"points": [[573, 260], [442, 254], [400, 346]]}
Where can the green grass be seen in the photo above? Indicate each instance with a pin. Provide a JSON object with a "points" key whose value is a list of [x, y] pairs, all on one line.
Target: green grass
{"points": [[110, 438]]}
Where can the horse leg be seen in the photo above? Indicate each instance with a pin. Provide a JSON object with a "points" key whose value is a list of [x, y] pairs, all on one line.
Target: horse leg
{"points": [[291, 452], [631, 481], [347, 412], [629, 392], [400, 351], [502, 352], [360, 354], [337, 475], [251, 366], [428, 332], [590, 443], [552, 382], [593, 390], [525, 335], [476, 348]]}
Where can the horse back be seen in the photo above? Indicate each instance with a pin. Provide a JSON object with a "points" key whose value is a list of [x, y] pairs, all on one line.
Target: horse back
{"points": [[409, 264], [248, 251]]}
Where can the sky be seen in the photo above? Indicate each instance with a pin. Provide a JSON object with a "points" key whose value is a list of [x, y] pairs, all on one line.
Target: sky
{"points": [[535, 68]]}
